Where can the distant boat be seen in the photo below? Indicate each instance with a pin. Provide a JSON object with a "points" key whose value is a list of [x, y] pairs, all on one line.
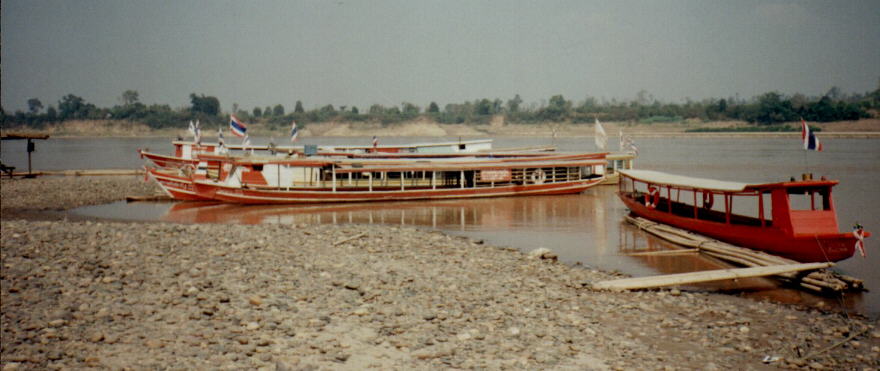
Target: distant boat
{"points": [[801, 223], [268, 180]]}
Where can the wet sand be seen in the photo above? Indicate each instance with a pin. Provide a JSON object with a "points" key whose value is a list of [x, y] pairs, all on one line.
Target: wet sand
{"points": [[80, 293]]}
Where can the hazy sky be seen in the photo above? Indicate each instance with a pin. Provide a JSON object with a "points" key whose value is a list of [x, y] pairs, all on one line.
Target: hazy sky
{"points": [[345, 52]]}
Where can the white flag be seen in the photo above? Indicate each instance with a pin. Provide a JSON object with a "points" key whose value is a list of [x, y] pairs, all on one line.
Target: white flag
{"points": [[601, 137]]}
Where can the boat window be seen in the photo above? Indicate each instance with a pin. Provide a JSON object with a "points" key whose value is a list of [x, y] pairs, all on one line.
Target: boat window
{"points": [[258, 167], [809, 199]]}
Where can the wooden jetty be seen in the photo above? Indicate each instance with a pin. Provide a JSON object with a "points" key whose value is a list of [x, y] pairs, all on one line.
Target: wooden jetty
{"points": [[818, 280], [91, 172], [31, 147]]}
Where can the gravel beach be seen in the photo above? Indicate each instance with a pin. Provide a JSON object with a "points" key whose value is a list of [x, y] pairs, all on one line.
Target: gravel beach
{"points": [[81, 294]]}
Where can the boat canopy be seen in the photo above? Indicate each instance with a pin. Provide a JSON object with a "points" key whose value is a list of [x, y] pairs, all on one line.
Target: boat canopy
{"points": [[682, 181]]}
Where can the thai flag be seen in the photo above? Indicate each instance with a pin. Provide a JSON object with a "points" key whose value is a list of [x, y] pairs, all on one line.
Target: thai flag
{"points": [[238, 128], [375, 141], [810, 140], [294, 132]]}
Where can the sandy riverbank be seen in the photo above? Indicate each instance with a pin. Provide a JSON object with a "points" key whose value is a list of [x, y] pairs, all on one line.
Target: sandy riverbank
{"points": [[103, 294]]}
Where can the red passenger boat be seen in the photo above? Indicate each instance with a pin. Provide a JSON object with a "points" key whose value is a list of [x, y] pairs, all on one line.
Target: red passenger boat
{"points": [[275, 180], [794, 219]]}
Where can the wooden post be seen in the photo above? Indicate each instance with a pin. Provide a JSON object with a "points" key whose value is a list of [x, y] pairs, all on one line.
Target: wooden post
{"points": [[728, 205], [761, 208], [30, 148]]}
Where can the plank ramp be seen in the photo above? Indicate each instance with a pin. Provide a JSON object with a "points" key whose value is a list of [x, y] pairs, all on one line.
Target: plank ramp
{"points": [[704, 276], [821, 281]]}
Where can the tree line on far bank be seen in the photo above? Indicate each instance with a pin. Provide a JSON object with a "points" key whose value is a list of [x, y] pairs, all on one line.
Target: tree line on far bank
{"points": [[766, 109]]}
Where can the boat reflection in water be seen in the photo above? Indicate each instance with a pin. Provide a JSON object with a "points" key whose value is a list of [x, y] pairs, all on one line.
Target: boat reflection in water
{"points": [[540, 213]]}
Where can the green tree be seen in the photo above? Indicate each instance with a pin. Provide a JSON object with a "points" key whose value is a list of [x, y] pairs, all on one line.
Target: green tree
{"points": [[34, 105], [203, 104], [410, 110], [354, 110], [130, 97], [558, 109], [51, 114], [773, 108], [74, 107], [432, 108], [514, 104], [278, 110], [258, 112], [299, 107]]}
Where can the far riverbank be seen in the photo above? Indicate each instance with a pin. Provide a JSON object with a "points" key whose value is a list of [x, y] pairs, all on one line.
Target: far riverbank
{"points": [[867, 128]]}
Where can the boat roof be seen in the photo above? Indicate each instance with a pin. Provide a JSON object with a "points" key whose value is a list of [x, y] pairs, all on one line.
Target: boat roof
{"points": [[340, 146], [476, 165], [681, 181], [481, 158]]}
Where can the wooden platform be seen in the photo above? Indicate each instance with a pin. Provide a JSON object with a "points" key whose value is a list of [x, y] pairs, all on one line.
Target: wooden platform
{"points": [[818, 281], [92, 172]]}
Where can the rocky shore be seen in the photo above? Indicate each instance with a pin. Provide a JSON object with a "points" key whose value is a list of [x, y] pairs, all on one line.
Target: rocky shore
{"points": [[80, 294]]}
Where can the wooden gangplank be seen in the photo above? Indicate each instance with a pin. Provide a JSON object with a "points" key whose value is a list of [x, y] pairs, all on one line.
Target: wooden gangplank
{"points": [[704, 276], [820, 281]]}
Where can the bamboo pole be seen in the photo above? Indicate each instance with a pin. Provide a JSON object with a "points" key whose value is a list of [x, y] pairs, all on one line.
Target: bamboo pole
{"points": [[704, 276]]}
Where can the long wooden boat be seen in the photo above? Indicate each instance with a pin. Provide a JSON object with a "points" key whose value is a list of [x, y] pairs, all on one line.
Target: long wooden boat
{"points": [[793, 219], [319, 180]]}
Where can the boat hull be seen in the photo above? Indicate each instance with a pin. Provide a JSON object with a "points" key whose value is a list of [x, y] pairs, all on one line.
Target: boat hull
{"points": [[802, 248], [164, 161], [180, 188], [242, 195]]}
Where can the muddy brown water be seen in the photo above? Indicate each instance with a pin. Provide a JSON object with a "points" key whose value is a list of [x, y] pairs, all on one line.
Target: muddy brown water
{"points": [[587, 228]]}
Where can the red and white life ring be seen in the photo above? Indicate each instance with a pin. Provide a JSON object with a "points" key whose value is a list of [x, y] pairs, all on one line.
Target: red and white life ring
{"points": [[652, 198], [538, 176]]}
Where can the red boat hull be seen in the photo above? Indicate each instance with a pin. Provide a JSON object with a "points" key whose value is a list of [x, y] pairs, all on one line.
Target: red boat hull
{"points": [[177, 187], [164, 161], [258, 196], [802, 248]]}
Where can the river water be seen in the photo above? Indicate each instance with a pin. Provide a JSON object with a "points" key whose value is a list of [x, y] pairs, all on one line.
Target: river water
{"points": [[587, 228]]}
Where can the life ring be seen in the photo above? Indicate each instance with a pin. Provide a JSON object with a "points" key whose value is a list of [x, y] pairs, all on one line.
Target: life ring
{"points": [[652, 198], [538, 176], [708, 199]]}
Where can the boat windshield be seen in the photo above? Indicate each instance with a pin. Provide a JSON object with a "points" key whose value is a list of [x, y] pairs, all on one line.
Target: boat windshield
{"points": [[803, 198]]}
